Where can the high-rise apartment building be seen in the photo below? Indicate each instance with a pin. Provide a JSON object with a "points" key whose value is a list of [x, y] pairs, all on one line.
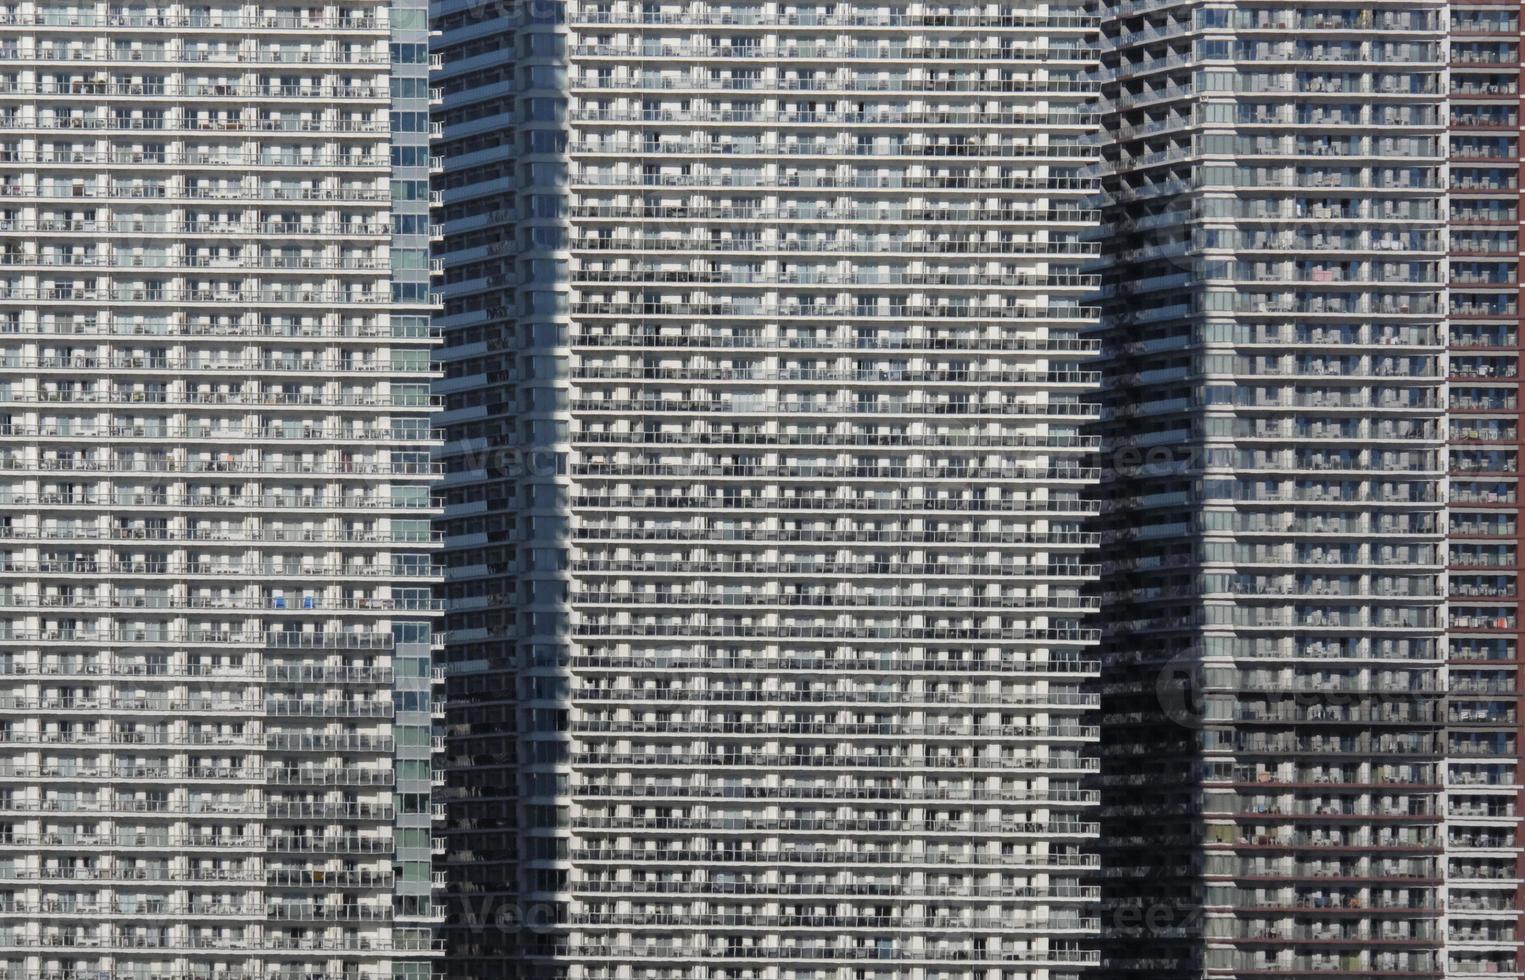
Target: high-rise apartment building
{"points": [[1273, 749], [482, 48], [765, 387], [215, 492], [1483, 846]]}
